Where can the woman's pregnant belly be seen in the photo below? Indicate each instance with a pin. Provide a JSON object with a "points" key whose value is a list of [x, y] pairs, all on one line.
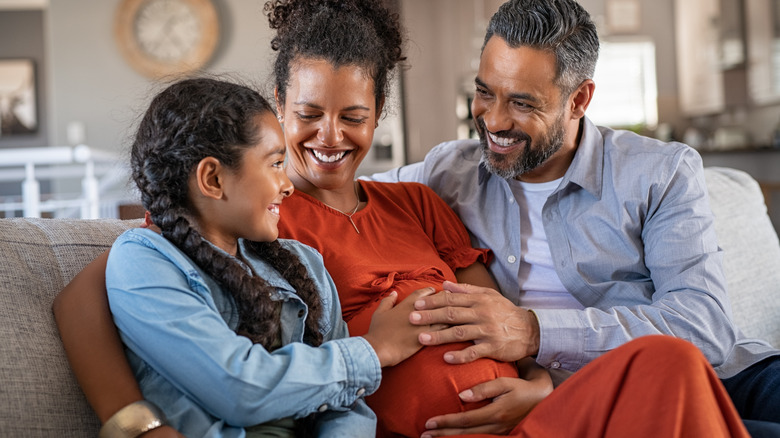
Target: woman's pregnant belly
{"points": [[424, 385]]}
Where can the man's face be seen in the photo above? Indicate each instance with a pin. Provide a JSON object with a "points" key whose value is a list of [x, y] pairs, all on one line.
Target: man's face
{"points": [[517, 108]]}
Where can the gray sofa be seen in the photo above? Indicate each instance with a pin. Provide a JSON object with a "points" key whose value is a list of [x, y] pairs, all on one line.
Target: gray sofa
{"points": [[39, 396]]}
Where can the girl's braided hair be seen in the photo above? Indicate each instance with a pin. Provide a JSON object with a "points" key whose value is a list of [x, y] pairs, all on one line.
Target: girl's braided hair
{"points": [[188, 121]]}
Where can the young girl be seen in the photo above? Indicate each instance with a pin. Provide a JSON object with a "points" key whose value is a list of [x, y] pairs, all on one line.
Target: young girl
{"points": [[227, 327]]}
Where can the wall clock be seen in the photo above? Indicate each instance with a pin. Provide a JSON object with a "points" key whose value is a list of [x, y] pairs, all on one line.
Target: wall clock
{"points": [[167, 37]]}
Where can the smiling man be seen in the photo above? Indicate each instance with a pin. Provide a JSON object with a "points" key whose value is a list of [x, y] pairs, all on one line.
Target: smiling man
{"points": [[522, 118], [601, 236]]}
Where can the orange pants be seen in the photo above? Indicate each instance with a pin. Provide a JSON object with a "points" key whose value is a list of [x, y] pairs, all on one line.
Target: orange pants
{"points": [[654, 386]]}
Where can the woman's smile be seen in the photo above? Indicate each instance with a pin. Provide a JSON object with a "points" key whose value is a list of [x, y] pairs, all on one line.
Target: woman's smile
{"points": [[325, 156]]}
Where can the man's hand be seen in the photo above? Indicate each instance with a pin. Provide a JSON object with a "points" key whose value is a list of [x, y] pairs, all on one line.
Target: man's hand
{"points": [[512, 398], [499, 329]]}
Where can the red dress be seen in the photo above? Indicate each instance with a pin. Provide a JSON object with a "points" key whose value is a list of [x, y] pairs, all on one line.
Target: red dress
{"points": [[409, 239]]}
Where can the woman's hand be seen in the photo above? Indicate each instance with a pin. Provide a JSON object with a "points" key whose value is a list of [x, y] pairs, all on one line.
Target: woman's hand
{"points": [[391, 334], [512, 398]]}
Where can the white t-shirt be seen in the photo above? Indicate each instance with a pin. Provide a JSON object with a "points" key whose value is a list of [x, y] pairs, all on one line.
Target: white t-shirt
{"points": [[540, 287]]}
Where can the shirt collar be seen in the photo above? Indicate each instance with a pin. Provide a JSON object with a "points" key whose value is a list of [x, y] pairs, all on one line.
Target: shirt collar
{"points": [[586, 170]]}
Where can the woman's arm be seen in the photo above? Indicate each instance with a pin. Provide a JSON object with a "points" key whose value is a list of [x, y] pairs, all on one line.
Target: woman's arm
{"points": [[92, 343], [93, 346], [476, 274]]}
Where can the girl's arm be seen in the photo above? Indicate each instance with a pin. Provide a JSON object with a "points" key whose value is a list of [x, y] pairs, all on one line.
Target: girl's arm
{"points": [[93, 347]]}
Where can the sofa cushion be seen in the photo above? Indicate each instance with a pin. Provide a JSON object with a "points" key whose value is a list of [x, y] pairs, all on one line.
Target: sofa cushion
{"points": [[751, 251], [40, 396]]}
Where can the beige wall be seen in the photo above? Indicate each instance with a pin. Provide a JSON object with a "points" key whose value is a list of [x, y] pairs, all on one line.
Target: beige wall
{"points": [[444, 41], [90, 82]]}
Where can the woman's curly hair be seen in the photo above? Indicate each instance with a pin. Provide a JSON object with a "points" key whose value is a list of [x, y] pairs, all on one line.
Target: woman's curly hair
{"points": [[188, 121], [362, 33]]}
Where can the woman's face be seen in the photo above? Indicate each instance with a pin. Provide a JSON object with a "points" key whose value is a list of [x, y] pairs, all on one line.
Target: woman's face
{"points": [[329, 116]]}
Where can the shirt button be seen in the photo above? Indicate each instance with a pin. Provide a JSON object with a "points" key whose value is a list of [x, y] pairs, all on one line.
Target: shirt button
{"points": [[361, 391], [511, 259], [511, 200], [323, 408], [555, 365], [301, 313]]}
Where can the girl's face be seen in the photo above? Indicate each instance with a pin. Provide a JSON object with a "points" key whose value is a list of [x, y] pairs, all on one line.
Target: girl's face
{"points": [[254, 191], [329, 119]]}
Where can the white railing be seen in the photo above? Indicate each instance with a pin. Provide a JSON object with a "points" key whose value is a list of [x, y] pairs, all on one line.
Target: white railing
{"points": [[103, 178]]}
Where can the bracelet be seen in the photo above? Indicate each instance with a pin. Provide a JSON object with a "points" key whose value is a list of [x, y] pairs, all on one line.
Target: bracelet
{"points": [[133, 420]]}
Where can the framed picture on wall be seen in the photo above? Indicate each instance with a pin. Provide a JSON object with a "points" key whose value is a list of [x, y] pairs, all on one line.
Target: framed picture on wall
{"points": [[18, 111]]}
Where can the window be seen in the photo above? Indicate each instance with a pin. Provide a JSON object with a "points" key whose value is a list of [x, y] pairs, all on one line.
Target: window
{"points": [[626, 90]]}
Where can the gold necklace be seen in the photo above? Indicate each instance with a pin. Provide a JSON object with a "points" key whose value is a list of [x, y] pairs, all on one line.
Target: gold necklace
{"points": [[354, 210]]}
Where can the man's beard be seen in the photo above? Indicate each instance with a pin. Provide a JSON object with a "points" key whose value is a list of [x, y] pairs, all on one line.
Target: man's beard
{"points": [[531, 156]]}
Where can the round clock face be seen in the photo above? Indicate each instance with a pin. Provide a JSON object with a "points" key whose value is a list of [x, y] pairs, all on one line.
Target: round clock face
{"points": [[165, 37], [167, 30]]}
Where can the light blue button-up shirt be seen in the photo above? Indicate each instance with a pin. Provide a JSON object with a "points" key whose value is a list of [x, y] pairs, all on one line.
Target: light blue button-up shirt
{"points": [[179, 325], [631, 235]]}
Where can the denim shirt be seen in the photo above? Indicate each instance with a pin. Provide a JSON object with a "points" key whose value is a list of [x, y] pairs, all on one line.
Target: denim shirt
{"points": [[178, 326], [632, 237]]}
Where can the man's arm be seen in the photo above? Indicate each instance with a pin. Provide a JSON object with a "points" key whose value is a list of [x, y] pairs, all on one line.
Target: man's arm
{"points": [[677, 286], [654, 269]]}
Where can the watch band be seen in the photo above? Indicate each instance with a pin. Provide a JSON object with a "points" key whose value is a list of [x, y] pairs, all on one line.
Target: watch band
{"points": [[133, 420]]}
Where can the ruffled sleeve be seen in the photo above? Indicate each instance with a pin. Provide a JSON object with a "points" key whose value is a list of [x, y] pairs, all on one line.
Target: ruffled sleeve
{"points": [[446, 230]]}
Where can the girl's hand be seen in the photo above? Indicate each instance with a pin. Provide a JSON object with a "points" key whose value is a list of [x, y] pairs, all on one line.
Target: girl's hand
{"points": [[391, 334]]}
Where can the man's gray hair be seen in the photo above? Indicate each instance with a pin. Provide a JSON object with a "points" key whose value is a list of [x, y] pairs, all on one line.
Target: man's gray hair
{"points": [[561, 27]]}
